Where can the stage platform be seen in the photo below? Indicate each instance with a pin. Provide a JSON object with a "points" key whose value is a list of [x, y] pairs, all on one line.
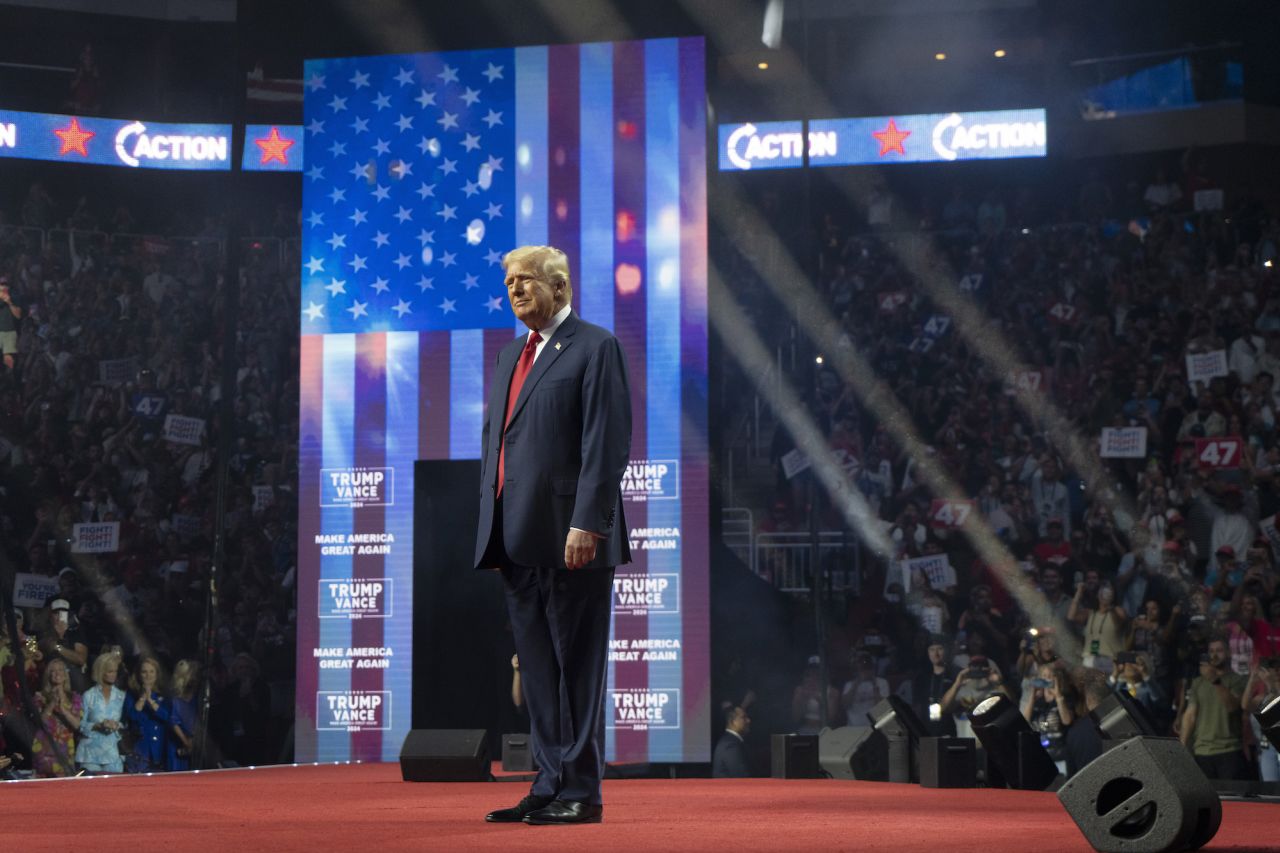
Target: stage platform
{"points": [[365, 807]]}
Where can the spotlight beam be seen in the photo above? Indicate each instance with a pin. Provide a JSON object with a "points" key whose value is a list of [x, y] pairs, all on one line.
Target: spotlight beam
{"points": [[735, 331], [933, 274], [813, 317], [771, 36]]}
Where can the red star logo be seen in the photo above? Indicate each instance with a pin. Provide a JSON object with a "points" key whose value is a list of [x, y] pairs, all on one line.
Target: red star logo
{"points": [[73, 138], [891, 138], [274, 148]]}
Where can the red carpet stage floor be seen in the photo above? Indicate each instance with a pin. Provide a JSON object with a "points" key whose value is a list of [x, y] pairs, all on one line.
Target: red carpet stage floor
{"points": [[367, 808]]}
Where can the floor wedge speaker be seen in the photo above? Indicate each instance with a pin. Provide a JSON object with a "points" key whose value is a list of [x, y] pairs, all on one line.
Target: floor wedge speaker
{"points": [[794, 757], [445, 755], [948, 762], [854, 752], [1145, 796]]}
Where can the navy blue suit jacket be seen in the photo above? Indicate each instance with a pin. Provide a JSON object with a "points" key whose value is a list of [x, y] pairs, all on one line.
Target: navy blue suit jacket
{"points": [[568, 442]]}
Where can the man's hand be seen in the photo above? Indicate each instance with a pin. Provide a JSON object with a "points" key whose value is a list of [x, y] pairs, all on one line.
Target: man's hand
{"points": [[579, 549]]}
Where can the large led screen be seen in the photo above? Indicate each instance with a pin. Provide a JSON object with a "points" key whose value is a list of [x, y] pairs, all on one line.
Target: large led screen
{"points": [[936, 138], [419, 173]]}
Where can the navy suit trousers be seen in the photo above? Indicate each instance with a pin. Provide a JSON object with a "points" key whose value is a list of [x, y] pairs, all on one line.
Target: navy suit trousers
{"points": [[560, 620]]}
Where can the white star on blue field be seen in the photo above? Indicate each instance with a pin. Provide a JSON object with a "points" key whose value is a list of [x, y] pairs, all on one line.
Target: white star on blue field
{"points": [[408, 192]]}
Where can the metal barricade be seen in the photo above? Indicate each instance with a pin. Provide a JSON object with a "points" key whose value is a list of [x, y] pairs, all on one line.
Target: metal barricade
{"points": [[28, 237], [738, 532], [785, 559]]}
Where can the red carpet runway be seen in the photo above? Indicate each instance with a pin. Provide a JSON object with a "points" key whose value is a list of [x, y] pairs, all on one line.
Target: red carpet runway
{"points": [[367, 808]]}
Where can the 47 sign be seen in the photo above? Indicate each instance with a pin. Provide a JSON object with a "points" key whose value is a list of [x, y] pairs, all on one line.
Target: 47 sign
{"points": [[949, 514], [1223, 452]]}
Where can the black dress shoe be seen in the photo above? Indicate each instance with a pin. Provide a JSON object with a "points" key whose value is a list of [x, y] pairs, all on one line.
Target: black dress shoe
{"points": [[565, 811], [517, 813]]}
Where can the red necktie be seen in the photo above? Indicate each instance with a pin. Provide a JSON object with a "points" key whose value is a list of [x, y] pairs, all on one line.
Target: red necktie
{"points": [[523, 366]]}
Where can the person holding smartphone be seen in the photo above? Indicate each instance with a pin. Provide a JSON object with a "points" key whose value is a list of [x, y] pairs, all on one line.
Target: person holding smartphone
{"points": [[1133, 677], [978, 681], [1047, 708], [1104, 634], [1263, 686], [1212, 719]]}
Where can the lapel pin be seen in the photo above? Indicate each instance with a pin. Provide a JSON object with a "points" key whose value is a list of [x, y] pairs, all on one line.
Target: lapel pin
{"points": [[557, 345]]}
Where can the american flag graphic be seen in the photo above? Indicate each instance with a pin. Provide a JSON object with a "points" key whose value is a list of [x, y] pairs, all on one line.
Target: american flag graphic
{"points": [[419, 173], [408, 192]]}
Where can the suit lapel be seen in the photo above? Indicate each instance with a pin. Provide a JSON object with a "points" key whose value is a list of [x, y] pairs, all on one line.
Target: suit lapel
{"points": [[552, 350], [503, 371]]}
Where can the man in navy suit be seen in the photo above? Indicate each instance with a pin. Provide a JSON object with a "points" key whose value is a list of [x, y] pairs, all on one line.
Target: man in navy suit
{"points": [[729, 760], [556, 440]]}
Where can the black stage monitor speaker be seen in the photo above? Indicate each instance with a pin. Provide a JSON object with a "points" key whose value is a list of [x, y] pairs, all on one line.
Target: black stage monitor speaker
{"points": [[1145, 796], [517, 756], [948, 762], [854, 752], [445, 755], [794, 756]]}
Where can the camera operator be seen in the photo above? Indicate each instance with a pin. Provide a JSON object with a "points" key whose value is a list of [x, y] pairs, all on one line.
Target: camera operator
{"points": [[1263, 686], [1211, 723]]}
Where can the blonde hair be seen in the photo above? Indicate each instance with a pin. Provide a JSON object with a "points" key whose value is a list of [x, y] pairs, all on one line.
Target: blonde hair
{"points": [[551, 264], [185, 675], [46, 683], [102, 663], [135, 680]]}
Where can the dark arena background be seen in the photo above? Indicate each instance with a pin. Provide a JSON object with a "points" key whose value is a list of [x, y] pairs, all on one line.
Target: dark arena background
{"points": [[952, 330]]}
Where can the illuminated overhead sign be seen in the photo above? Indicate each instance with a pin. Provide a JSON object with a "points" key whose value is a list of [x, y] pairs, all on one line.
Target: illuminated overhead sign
{"points": [[272, 148], [135, 146], [939, 137], [146, 144], [114, 142]]}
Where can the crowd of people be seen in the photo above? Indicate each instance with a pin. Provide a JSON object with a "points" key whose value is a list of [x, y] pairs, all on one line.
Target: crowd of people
{"points": [[1157, 576], [1160, 582], [110, 389]]}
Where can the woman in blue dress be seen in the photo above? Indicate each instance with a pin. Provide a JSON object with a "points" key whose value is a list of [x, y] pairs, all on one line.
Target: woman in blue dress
{"points": [[100, 724], [183, 717], [149, 714]]}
